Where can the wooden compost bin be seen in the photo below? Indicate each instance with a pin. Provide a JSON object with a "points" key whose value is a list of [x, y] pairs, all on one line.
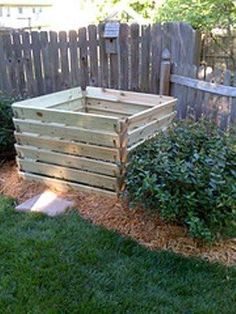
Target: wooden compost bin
{"points": [[81, 139]]}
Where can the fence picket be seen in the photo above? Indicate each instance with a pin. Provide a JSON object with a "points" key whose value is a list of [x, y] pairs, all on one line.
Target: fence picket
{"points": [[74, 62], [93, 54], [84, 78], [63, 44], [28, 64], [46, 62], [134, 75], [145, 58], [37, 62], [124, 62], [103, 58]]}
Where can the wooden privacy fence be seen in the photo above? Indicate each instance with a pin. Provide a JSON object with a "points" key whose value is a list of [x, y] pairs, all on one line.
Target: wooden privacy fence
{"points": [[38, 63], [204, 92]]}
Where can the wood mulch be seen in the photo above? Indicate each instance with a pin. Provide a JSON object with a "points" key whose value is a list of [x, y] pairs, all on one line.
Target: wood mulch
{"points": [[143, 227]]}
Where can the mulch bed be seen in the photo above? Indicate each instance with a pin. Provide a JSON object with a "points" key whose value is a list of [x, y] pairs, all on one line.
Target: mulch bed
{"points": [[145, 228]]}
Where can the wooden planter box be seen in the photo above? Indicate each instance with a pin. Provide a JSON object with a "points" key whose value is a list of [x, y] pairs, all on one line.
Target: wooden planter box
{"points": [[82, 139]]}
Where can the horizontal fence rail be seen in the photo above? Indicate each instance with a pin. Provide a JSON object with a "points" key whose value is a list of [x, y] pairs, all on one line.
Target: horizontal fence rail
{"points": [[202, 91]]}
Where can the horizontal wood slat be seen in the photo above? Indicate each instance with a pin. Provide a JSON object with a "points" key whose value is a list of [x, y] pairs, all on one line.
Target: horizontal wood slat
{"points": [[78, 149], [149, 129], [81, 163], [62, 185], [67, 133], [75, 119], [50, 100], [69, 174], [148, 115]]}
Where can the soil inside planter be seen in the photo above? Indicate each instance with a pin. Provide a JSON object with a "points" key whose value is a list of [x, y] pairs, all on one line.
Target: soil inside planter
{"points": [[143, 227]]}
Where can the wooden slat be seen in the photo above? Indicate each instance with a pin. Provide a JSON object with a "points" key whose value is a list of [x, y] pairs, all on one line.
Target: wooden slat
{"points": [[145, 58], [156, 48], [28, 63], [134, 32], [81, 163], [74, 148], [93, 56], [212, 88], [125, 96], [63, 185], [54, 61], [74, 61], [149, 129], [20, 76], [67, 133], [113, 106], [51, 100], [66, 82], [69, 174], [107, 112], [74, 105], [103, 57], [76, 119], [148, 115], [7, 66], [124, 61], [36, 47], [84, 79], [46, 62]]}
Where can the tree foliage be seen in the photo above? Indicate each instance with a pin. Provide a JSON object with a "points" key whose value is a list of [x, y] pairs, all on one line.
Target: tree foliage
{"points": [[201, 14]]}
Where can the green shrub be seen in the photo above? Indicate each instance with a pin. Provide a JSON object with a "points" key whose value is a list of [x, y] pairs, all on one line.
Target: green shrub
{"points": [[187, 175], [6, 127]]}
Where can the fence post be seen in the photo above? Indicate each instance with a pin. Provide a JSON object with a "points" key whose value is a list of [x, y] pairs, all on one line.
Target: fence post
{"points": [[165, 73]]}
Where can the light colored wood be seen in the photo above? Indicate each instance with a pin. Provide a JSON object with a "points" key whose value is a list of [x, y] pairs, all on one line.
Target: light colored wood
{"points": [[144, 132], [69, 147], [75, 119], [151, 114], [117, 107], [68, 133], [212, 88], [107, 112], [69, 174], [62, 185], [131, 148], [81, 163], [50, 100], [125, 96], [73, 105]]}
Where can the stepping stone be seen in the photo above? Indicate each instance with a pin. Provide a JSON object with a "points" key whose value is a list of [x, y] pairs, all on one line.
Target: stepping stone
{"points": [[47, 203]]}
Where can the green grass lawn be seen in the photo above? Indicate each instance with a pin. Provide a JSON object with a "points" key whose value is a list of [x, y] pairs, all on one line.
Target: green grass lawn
{"points": [[67, 265]]}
